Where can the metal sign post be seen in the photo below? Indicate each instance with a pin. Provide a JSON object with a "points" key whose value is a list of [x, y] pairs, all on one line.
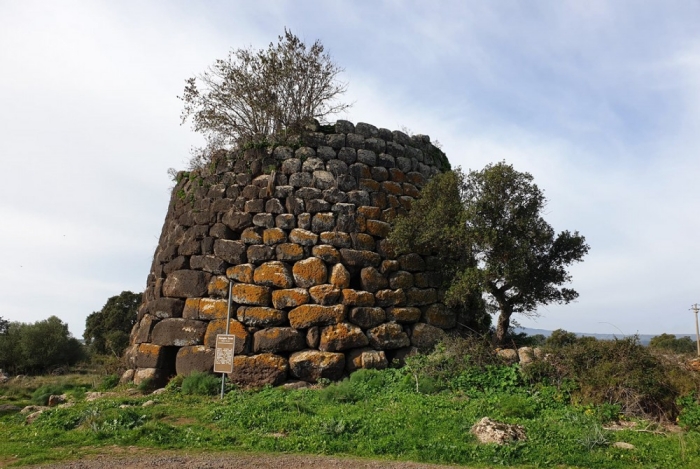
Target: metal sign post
{"points": [[695, 309], [223, 358]]}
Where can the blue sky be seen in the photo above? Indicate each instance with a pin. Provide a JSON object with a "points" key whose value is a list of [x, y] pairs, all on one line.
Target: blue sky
{"points": [[599, 100]]}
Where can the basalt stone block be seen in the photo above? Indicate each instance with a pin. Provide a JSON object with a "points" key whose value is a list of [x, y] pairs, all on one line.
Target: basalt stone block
{"points": [[356, 258], [273, 236], [369, 212], [326, 153], [301, 180], [254, 206], [395, 149], [283, 192], [372, 280], [277, 340], [317, 205], [404, 164], [354, 140], [346, 183], [400, 279], [357, 297], [343, 336], [393, 188], [258, 254], [359, 198], [313, 337], [219, 230], [366, 157], [304, 221], [144, 329], [290, 298], [152, 356], [309, 272], [336, 141], [421, 296], [334, 196], [194, 358], [186, 284], [218, 287], [178, 332], [366, 358], [313, 164], [211, 264], [261, 370], [303, 237], [246, 294], [242, 273], [412, 262], [210, 308], [344, 127], [366, 130], [323, 179], [340, 277], [388, 336], [274, 274], [377, 145], [261, 316], [233, 252], [326, 253], [305, 152], [166, 308], [265, 220], [390, 297], [237, 221], [425, 337], [289, 252], [379, 199], [403, 314], [369, 185], [385, 160], [252, 235], [439, 316], [324, 294], [339, 239], [218, 326], [367, 317], [312, 365], [285, 221], [155, 376], [309, 315], [179, 263], [322, 222], [379, 173], [190, 248], [378, 228], [337, 167], [291, 166]]}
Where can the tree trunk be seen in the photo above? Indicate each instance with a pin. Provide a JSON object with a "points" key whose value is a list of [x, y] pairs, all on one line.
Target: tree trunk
{"points": [[503, 325]]}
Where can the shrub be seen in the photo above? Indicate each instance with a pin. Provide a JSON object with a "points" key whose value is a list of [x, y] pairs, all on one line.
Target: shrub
{"points": [[108, 382], [202, 384]]}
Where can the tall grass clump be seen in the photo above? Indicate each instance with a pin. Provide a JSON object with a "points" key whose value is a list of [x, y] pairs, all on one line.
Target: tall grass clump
{"points": [[202, 384]]}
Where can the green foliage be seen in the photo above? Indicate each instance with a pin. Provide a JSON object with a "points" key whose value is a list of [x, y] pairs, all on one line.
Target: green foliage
{"points": [[676, 345], [38, 347], [107, 331], [489, 234], [145, 386], [689, 417], [560, 338], [108, 382], [41, 395], [202, 384], [4, 324]]}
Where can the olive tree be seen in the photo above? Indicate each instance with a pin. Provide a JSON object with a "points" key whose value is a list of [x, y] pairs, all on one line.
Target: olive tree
{"points": [[107, 330], [257, 95]]}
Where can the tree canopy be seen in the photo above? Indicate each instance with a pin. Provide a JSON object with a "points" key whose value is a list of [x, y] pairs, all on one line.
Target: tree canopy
{"points": [[107, 331], [255, 95], [674, 344], [4, 323], [488, 228]]}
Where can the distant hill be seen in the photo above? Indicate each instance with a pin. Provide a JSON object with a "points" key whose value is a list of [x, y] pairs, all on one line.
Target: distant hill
{"points": [[643, 338]]}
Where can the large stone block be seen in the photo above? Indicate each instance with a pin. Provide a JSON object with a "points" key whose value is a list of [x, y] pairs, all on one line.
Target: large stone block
{"points": [[305, 316], [311, 365], [242, 273], [186, 284], [218, 287], [178, 332], [303, 237], [400, 279], [309, 272], [278, 339], [289, 252], [259, 370], [260, 316], [390, 297], [343, 336], [144, 328], [372, 280], [388, 336], [340, 277], [208, 263], [210, 308], [163, 308], [153, 356], [366, 358], [246, 294], [257, 254], [326, 253], [274, 274], [324, 294], [404, 314], [420, 296], [424, 336], [237, 220], [338, 239], [439, 316], [367, 317], [412, 262], [356, 258], [218, 326], [290, 298], [194, 358], [357, 297]]}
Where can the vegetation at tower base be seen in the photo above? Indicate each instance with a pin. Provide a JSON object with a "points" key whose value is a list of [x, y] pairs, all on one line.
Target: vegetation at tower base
{"points": [[107, 331], [260, 96], [39, 347], [488, 229]]}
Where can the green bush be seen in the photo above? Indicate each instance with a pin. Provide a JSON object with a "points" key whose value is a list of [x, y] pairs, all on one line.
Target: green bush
{"points": [[201, 384], [689, 417], [41, 395], [108, 382], [670, 343]]}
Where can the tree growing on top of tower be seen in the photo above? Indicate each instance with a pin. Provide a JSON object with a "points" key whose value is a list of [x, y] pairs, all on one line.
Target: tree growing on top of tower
{"points": [[254, 96]]}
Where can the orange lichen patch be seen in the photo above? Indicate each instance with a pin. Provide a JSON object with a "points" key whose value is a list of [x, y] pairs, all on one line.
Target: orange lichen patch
{"points": [[264, 360], [218, 326], [410, 190], [289, 252], [396, 175], [247, 294], [191, 310], [378, 228], [241, 273], [218, 286], [290, 298], [369, 185], [405, 314], [310, 272], [149, 350], [342, 336], [325, 294], [273, 274], [306, 316], [393, 188], [326, 253], [340, 277], [369, 212], [303, 237], [338, 239], [260, 316], [274, 236], [210, 308], [357, 297], [252, 235]]}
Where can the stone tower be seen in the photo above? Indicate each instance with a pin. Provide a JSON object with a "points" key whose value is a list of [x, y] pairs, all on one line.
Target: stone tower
{"points": [[298, 233]]}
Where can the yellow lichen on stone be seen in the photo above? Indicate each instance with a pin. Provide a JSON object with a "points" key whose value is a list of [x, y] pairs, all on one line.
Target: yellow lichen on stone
{"points": [[289, 298], [306, 316], [310, 272], [210, 308]]}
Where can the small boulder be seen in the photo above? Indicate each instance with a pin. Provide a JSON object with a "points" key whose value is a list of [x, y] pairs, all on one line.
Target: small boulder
{"points": [[490, 431]]}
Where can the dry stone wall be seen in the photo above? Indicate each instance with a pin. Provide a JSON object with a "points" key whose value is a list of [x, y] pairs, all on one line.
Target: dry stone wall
{"points": [[298, 232]]}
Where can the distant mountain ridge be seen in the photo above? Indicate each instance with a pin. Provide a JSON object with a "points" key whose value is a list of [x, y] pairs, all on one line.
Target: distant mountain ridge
{"points": [[644, 339]]}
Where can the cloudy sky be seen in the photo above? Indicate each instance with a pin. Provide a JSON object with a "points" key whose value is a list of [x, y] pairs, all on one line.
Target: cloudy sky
{"points": [[598, 100]]}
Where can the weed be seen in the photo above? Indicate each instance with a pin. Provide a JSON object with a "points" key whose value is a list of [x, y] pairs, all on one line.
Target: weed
{"points": [[199, 383], [108, 382]]}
